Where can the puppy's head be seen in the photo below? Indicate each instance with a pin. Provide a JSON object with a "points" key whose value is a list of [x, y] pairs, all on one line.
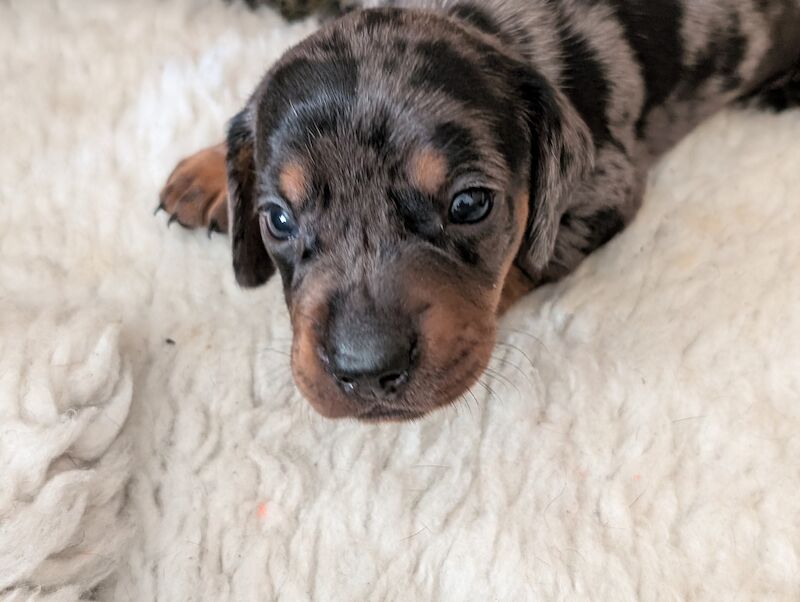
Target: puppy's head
{"points": [[395, 168]]}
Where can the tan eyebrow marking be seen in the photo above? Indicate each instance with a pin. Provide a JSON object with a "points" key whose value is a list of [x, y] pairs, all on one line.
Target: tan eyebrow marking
{"points": [[292, 182], [427, 170]]}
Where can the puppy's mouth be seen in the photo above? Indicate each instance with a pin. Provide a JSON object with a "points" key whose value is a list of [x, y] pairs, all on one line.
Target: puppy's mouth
{"points": [[379, 412]]}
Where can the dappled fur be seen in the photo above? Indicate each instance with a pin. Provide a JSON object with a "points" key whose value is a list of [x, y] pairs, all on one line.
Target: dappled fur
{"points": [[559, 108]]}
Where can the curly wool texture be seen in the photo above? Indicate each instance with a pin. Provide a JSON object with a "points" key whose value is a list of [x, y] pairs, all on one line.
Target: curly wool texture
{"points": [[65, 393], [634, 439]]}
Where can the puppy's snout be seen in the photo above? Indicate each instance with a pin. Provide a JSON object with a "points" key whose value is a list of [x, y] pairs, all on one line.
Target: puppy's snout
{"points": [[370, 354]]}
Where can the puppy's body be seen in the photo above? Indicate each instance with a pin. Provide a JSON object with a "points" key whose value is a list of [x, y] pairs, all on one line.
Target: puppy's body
{"points": [[641, 74], [545, 114]]}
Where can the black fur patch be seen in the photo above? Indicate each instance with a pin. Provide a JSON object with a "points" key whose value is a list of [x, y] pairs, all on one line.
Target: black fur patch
{"points": [[399, 46], [721, 57], [585, 83], [324, 195], [330, 83], [334, 44], [375, 131], [472, 83], [479, 19], [456, 142], [416, 212], [659, 51], [602, 226], [466, 251], [780, 93], [444, 69]]}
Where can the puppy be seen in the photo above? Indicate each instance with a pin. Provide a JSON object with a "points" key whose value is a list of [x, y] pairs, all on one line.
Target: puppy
{"points": [[412, 170]]}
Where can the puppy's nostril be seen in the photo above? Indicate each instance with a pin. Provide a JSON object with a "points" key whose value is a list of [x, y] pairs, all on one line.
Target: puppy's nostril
{"points": [[347, 384], [392, 381]]}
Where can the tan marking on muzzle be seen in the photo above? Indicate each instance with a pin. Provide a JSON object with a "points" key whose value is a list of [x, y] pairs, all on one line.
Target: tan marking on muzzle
{"points": [[456, 334], [309, 311]]}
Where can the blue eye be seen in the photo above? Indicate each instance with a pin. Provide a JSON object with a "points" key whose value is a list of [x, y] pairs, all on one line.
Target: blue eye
{"points": [[470, 206], [280, 223]]}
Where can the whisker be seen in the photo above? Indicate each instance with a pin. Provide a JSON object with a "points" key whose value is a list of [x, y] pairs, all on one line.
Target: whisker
{"points": [[525, 334], [475, 399], [273, 350], [453, 405], [245, 349], [466, 403], [498, 375], [488, 388], [524, 374], [517, 349]]}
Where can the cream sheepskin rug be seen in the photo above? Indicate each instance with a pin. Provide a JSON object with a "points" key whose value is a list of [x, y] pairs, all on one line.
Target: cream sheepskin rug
{"points": [[637, 436]]}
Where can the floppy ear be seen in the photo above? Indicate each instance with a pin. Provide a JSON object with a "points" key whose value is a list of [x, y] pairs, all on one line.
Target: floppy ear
{"points": [[251, 263], [562, 154]]}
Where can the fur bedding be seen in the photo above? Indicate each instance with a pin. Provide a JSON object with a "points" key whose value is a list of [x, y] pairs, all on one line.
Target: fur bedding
{"points": [[637, 436]]}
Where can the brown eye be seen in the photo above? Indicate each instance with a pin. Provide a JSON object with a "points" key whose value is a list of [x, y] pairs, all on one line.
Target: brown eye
{"points": [[470, 206], [280, 223]]}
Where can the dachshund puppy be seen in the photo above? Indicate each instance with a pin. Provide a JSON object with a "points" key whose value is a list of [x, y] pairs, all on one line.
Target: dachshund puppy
{"points": [[412, 170]]}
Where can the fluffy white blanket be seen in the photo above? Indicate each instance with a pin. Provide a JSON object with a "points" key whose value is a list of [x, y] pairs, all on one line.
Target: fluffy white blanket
{"points": [[637, 436]]}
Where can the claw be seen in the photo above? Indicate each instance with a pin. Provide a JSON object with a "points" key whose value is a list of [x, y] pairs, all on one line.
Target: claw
{"points": [[172, 218], [159, 208]]}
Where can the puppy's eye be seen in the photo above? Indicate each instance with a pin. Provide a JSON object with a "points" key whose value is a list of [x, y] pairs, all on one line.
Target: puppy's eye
{"points": [[280, 223], [470, 206]]}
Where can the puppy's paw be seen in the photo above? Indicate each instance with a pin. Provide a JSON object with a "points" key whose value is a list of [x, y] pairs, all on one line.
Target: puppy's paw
{"points": [[195, 194]]}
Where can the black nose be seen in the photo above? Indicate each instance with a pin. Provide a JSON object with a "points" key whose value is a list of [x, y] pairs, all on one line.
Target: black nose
{"points": [[369, 352]]}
